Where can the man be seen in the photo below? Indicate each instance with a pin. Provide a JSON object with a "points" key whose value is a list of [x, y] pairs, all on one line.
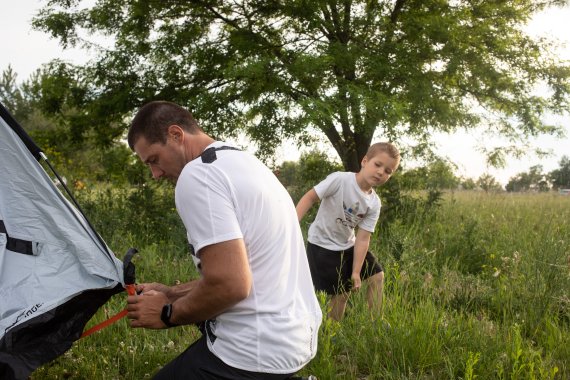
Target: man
{"points": [[254, 299]]}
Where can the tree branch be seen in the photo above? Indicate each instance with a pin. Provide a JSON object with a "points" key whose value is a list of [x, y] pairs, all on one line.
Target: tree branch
{"points": [[397, 10]]}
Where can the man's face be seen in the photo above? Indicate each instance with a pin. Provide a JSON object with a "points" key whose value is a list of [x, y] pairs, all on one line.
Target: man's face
{"points": [[164, 160]]}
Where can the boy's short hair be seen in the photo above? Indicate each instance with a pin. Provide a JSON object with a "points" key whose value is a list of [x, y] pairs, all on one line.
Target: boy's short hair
{"points": [[386, 147], [153, 119]]}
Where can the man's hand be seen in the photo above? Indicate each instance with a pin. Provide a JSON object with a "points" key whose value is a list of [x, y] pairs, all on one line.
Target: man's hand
{"points": [[144, 310], [143, 288]]}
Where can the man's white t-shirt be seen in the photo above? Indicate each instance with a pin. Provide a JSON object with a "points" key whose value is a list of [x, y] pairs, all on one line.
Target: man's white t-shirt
{"points": [[273, 330], [343, 207]]}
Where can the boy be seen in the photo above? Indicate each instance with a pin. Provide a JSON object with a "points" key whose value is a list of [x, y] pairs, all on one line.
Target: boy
{"points": [[339, 258]]}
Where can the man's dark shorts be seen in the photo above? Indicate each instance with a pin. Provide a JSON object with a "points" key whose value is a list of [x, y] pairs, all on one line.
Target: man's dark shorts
{"points": [[198, 363], [332, 270]]}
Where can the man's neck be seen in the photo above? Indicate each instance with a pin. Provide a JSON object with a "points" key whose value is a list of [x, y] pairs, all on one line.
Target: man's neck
{"points": [[196, 144]]}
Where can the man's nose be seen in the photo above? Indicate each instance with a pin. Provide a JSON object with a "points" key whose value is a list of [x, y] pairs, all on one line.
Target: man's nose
{"points": [[156, 172]]}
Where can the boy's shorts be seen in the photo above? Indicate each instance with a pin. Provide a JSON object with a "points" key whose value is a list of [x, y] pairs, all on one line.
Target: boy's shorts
{"points": [[332, 270]]}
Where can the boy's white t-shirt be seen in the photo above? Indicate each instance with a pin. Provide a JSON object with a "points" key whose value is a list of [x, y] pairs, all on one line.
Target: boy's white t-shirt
{"points": [[274, 330], [344, 206]]}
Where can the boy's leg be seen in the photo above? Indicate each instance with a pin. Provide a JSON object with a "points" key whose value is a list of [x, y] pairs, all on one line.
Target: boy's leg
{"points": [[374, 293], [338, 305]]}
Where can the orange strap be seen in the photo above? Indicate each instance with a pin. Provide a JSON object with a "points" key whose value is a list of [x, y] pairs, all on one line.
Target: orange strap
{"points": [[130, 288]]}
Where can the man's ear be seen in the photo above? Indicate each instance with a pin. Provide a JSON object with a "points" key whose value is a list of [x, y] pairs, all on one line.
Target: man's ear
{"points": [[176, 133]]}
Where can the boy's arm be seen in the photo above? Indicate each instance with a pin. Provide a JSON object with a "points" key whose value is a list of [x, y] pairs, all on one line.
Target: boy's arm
{"points": [[360, 250], [306, 202]]}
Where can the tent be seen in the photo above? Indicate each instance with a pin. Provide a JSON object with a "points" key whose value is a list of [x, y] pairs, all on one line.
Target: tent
{"points": [[55, 270]]}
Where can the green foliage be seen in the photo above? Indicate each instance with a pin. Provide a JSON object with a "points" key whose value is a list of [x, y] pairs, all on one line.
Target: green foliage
{"points": [[436, 175], [535, 179], [350, 70], [406, 205], [10, 95], [488, 183], [145, 214], [468, 184], [561, 177], [315, 167], [312, 168], [503, 315], [54, 122]]}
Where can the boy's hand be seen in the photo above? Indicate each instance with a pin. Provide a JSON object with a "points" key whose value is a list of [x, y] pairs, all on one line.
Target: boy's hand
{"points": [[356, 281]]}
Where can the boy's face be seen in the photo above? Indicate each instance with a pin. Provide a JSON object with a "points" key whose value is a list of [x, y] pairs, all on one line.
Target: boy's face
{"points": [[377, 170]]}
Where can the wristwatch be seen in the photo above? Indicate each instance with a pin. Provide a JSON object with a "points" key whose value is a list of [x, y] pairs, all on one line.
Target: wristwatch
{"points": [[166, 314]]}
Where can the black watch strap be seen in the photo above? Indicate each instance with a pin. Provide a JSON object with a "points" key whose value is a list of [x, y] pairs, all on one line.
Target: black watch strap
{"points": [[166, 314]]}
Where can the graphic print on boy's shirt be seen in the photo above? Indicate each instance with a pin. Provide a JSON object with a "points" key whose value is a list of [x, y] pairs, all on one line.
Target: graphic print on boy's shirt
{"points": [[351, 214]]}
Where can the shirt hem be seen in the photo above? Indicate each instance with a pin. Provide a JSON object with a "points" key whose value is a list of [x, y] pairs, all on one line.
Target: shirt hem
{"points": [[216, 240], [258, 369]]}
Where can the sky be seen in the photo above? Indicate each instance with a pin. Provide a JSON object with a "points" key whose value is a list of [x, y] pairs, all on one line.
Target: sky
{"points": [[25, 50]]}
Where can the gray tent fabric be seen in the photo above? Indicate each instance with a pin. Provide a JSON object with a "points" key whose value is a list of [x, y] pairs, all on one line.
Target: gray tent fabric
{"points": [[55, 271]]}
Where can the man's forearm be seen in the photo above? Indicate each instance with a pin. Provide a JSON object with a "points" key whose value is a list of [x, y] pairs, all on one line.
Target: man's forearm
{"points": [[177, 291], [226, 280], [202, 302]]}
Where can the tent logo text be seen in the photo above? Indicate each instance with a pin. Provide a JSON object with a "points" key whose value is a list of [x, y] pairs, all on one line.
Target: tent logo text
{"points": [[25, 314]]}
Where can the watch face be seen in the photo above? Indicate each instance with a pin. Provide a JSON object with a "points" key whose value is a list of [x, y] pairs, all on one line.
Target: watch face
{"points": [[165, 315]]}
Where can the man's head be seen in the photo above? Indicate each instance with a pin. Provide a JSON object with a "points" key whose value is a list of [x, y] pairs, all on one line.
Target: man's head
{"points": [[380, 162], [161, 134], [153, 119]]}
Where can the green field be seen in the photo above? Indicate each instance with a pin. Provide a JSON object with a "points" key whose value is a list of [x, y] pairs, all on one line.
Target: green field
{"points": [[476, 288]]}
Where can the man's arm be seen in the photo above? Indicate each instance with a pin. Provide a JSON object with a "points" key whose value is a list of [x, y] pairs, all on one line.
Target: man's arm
{"points": [[360, 249], [172, 292], [305, 203], [226, 280]]}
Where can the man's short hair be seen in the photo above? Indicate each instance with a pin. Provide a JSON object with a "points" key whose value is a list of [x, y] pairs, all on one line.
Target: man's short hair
{"points": [[153, 119]]}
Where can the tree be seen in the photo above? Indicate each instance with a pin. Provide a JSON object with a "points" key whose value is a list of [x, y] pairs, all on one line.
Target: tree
{"points": [[488, 183], [441, 176], [75, 155], [10, 94], [414, 179], [300, 176], [287, 173], [534, 179], [436, 175], [314, 166], [561, 177], [468, 184], [352, 70]]}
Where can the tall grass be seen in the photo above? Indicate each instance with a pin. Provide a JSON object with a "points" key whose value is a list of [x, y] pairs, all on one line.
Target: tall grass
{"points": [[477, 288]]}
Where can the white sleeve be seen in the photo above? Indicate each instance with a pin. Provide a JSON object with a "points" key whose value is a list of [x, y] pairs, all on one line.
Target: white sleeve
{"points": [[205, 202], [369, 221], [329, 185]]}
